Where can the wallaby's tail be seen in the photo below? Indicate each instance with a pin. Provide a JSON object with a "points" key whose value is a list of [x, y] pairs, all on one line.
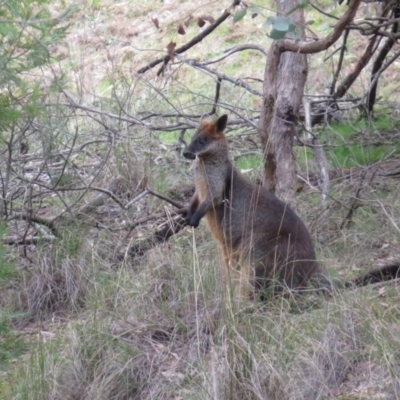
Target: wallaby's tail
{"points": [[383, 274]]}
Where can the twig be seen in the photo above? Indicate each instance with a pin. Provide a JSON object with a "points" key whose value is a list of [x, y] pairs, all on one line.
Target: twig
{"points": [[348, 219], [235, 81], [235, 49], [168, 200], [130, 228], [318, 152], [343, 48], [384, 211], [169, 228], [137, 198], [190, 44], [217, 91]]}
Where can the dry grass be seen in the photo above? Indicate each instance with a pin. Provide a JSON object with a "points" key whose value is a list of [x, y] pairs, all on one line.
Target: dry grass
{"points": [[159, 326]]}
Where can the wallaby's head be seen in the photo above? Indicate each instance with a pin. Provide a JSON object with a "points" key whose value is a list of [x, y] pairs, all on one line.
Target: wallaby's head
{"points": [[209, 140]]}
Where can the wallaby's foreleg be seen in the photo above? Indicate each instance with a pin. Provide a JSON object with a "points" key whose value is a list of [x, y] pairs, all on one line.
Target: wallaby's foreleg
{"points": [[197, 211], [188, 211]]}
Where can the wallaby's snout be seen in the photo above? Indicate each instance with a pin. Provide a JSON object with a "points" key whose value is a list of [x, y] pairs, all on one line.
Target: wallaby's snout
{"points": [[189, 155]]}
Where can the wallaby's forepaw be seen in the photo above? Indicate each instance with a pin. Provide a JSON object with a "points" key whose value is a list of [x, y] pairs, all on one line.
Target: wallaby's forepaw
{"points": [[184, 211], [192, 221], [188, 216]]}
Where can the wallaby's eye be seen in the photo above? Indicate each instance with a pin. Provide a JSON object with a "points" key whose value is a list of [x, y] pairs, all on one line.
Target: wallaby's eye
{"points": [[202, 141]]}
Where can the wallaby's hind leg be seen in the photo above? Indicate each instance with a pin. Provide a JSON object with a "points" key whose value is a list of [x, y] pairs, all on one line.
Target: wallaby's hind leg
{"points": [[245, 289], [226, 276], [237, 276]]}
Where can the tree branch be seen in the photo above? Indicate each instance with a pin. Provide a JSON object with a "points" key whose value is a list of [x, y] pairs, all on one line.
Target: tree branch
{"points": [[233, 50], [322, 44], [192, 42], [176, 204], [236, 81]]}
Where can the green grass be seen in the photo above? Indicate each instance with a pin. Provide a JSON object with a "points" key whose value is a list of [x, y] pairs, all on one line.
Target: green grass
{"points": [[250, 161], [169, 137], [347, 130], [354, 143], [356, 155]]}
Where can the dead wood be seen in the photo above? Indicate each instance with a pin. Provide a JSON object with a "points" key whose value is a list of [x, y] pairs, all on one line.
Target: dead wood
{"points": [[18, 241], [161, 235], [118, 188], [28, 217]]}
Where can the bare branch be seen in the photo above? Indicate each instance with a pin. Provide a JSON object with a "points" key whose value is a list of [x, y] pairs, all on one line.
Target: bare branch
{"points": [[318, 152], [240, 47], [322, 44], [343, 48], [235, 81], [168, 200], [191, 43], [216, 99], [137, 198], [361, 64], [130, 119], [391, 219]]}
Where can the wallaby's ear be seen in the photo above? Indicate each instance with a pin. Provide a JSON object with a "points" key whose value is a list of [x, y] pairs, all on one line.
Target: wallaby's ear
{"points": [[220, 125]]}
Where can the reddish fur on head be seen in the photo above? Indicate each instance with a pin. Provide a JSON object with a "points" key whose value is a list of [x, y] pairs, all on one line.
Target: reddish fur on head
{"points": [[208, 127], [213, 128], [209, 134]]}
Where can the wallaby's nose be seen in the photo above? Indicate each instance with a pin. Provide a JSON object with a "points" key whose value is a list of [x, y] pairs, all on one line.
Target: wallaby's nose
{"points": [[189, 155]]}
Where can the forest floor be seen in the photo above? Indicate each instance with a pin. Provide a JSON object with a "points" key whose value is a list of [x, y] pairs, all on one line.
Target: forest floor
{"points": [[98, 311]]}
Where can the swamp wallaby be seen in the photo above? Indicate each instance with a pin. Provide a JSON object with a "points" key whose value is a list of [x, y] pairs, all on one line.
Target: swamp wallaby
{"points": [[262, 241]]}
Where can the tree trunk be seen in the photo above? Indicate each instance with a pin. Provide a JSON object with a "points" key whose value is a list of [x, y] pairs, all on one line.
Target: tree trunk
{"points": [[284, 80]]}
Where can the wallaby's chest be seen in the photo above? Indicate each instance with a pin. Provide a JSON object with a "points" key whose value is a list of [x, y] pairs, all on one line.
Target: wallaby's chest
{"points": [[209, 181]]}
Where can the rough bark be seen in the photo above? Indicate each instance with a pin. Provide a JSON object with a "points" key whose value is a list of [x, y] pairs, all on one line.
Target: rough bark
{"points": [[284, 80]]}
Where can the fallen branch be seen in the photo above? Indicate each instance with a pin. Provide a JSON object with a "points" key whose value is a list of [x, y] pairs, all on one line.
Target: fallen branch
{"points": [[36, 219], [116, 188], [18, 241], [168, 229]]}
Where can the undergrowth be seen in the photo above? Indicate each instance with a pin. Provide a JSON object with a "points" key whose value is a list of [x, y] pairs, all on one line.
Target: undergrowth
{"points": [[77, 322]]}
